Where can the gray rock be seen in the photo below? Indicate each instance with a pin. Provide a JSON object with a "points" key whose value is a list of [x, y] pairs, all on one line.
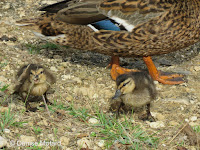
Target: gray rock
{"points": [[3, 142], [157, 124]]}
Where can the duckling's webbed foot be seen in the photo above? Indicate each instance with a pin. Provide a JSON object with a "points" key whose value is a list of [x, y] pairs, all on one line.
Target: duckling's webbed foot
{"points": [[148, 115], [116, 69], [162, 77], [47, 101], [147, 118], [29, 108]]}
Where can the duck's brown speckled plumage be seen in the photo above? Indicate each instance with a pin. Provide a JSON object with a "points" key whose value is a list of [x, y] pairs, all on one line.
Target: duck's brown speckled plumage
{"points": [[169, 25], [154, 27], [176, 27]]}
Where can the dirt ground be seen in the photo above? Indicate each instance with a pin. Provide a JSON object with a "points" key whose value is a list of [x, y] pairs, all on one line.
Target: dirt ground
{"points": [[84, 80]]}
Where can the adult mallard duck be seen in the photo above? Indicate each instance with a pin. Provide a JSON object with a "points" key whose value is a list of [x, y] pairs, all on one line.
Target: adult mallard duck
{"points": [[153, 27]]}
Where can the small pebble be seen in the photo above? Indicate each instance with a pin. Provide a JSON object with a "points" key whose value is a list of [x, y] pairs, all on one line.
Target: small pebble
{"points": [[53, 69], [93, 121], [193, 118], [158, 116], [197, 68], [101, 143], [192, 102], [73, 129], [66, 77], [24, 124], [6, 6], [3, 142], [6, 131], [64, 140], [193, 124], [51, 137], [182, 108], [173, 123], [4, 109], [43, 123], [156, 82], [157, 124], [13, 106], [186, 120], [84, 143]]}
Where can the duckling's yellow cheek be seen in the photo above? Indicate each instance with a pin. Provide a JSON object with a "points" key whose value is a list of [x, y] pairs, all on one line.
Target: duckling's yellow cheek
{"points": [[127, 89], [124, 90], [31, 78]]}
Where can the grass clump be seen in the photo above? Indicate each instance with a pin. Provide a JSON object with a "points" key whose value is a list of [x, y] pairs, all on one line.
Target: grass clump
{"points": [[35, 49], [82, 114], [37, 130], [6, 120], [196, 129], [112, 130], [3, 88], [3, 64], [124, 132]]}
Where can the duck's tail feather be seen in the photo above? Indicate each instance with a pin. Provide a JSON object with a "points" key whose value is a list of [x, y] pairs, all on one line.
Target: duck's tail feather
{"points": [[31, 24], [54, 8], [27, 22], [43, 24]]}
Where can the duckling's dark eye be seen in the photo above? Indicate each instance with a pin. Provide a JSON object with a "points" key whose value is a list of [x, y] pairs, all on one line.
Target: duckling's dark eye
{"points": [[41, 72], [126, 83], [31, 73]]}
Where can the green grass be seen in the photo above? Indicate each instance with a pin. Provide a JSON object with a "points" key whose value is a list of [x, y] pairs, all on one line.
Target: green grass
{"points": [[19, 124], [124, 132], [109, 129], [35, 147], [55, 131], [37, 130], [6, 120], [49, 46], [81, 113], [112, 130], [4, 88], [3, 64], [35, 49], [197, 129]]}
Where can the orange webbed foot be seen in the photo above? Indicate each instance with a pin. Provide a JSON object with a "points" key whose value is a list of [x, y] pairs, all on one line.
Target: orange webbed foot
{"points": [[169, 78], [116, 69], [162, 77]]}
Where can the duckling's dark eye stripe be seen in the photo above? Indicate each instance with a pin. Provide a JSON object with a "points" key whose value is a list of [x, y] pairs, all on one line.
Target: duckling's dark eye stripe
{"points": [[124, 84]]}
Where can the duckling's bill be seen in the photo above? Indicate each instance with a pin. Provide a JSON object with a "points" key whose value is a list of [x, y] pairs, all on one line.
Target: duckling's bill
{"points": [[118, 93]]}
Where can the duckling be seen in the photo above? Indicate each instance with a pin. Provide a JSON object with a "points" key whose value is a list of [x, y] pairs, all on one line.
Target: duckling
{"points": [[33, 80], [135, 90]]}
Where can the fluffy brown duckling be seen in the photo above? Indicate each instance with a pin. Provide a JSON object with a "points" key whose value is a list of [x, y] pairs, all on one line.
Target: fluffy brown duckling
{"points": [[134, 90], [33, 80]]}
